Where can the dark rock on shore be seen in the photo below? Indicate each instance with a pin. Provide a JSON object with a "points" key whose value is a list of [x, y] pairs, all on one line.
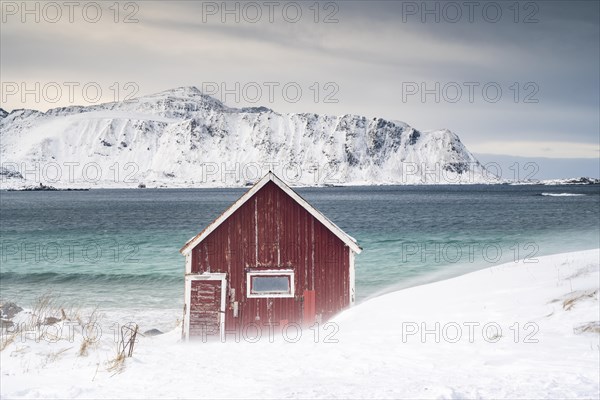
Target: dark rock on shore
{"points": [[9, 310], [44, 188], [153, 332]]}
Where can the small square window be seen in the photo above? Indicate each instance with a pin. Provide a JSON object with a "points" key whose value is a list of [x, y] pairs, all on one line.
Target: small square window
{"points": [[271, 283]]}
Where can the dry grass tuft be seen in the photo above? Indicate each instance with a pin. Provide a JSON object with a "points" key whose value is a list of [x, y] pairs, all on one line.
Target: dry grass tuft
{"points": [[117, 365], [588, 269], [88, 340], [83, 349], [52, 357], [588, 327], [575, 297], [6, 340], [46, 311]]}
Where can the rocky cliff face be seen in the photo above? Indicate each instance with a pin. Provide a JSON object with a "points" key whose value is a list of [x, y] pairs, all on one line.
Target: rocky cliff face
{"points": [[182, 137]]}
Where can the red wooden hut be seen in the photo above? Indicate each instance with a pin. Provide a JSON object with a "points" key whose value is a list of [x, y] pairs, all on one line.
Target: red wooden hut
{"points": [[270, 259]]}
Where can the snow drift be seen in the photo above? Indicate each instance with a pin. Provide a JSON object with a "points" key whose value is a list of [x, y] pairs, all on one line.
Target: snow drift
{"points": [[518, 330]]}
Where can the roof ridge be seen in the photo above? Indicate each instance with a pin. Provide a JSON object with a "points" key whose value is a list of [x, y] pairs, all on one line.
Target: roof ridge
{"points": [[271, 177]]}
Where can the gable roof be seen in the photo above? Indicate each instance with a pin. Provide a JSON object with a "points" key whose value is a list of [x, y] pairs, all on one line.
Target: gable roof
{"points": [[271, 177]]}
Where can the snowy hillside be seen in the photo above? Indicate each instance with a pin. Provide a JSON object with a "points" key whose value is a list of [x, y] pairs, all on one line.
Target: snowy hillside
{"points": [[182, 137]]}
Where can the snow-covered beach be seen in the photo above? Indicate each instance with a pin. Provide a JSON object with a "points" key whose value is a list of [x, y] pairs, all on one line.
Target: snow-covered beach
{"points": [[518, 330]]}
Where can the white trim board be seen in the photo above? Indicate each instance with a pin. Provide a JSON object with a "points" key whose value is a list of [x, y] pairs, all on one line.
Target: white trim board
{"points": [[271, 177], [352, 278]]}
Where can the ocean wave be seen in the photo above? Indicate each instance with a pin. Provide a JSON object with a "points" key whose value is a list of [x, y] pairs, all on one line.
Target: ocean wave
{"points": [[89, 278], [562, 194]]}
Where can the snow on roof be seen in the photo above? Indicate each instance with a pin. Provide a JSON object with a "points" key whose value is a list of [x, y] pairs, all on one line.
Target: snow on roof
{"points": [[271, 177]]}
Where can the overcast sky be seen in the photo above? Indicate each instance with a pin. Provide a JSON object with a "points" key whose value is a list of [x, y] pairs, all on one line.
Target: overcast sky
{"points": [[359, 57]]}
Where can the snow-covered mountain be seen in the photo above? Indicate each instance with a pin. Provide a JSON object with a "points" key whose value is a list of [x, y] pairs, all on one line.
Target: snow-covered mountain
{"points": [[182, 137]]}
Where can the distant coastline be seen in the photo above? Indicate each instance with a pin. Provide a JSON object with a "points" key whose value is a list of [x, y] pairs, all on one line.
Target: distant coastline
{"points": [[44, 188], [21, 185]]}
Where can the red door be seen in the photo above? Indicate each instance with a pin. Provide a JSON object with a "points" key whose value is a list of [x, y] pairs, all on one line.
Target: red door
{"points": [[205, 309]]}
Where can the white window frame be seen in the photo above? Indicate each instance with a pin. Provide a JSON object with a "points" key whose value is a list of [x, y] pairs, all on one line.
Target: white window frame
{"points": [[269, 272]]}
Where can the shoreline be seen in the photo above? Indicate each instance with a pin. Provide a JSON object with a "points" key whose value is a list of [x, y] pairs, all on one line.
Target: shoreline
{"points": [[87, 185], [375, 349], [440, 274]]}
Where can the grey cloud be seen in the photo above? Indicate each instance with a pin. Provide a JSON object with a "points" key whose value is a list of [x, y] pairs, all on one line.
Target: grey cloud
{"points": [[369, 53]]}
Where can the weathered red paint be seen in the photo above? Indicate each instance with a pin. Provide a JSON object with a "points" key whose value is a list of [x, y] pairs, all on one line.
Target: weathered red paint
{"points": [[272, 231], [309, 307]]}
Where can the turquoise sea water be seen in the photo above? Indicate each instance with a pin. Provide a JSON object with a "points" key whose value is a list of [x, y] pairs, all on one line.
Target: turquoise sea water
{"points": [[118, 249]]}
